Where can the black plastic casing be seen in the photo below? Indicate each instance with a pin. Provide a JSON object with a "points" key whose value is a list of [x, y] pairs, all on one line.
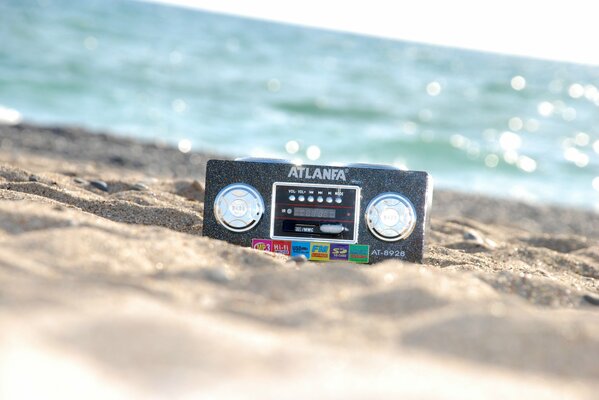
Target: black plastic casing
{"points": [[373, 180]]}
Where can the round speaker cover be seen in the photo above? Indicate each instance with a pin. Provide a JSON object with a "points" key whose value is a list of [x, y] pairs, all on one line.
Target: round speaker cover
{"points": [[390, 217], [238, 207]]}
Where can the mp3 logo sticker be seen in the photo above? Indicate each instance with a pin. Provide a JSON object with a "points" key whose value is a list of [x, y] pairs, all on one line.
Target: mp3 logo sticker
{"points": [[319, 251], [332, 174], [262, 244]]}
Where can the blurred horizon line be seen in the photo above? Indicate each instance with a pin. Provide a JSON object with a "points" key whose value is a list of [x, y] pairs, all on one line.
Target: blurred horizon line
{"points": [[509, 27]]}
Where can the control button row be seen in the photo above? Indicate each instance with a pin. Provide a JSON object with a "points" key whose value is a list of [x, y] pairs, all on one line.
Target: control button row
{"points": [[311, 199]]}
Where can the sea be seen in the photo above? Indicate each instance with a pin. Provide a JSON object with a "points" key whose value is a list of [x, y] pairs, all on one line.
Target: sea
{"points": [[493, 124]]}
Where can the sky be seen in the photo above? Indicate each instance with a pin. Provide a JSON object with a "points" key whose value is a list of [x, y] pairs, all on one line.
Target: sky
{"points": [[555, 30]]}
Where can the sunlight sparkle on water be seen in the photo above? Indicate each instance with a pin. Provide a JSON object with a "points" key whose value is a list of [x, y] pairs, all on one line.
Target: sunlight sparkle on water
{"points": [[518, 82], [510, 156], [577, 157], [273, 85], [491, 160], [582, 139], [545, 108], [433, 88], [458, 141], [184, 145], [591, 92], [515, 124], [510, 141], [313, 152], [409, 127], [576, 90], [526, 164], [9, 116], [292, 146]]}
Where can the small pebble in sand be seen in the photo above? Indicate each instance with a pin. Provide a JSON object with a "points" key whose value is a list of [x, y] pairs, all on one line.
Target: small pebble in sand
{"points": [[473, 235], [479, 239], [99, 185], [219, 275], [34, 178], [140, 186], [80, 181], [298, 259], [591, 299]]}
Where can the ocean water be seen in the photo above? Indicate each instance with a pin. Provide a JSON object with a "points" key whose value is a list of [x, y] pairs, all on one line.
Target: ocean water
{"points": [[492, 124]]}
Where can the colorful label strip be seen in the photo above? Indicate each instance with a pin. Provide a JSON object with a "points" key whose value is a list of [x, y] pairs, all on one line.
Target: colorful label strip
{"points": [[316, 251]]}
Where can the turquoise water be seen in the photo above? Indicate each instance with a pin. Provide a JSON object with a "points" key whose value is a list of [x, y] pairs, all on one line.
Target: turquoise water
{"points": [[479, 122]]}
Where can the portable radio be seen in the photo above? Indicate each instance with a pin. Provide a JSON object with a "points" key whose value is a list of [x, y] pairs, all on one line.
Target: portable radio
{"points": [[361, 213]]}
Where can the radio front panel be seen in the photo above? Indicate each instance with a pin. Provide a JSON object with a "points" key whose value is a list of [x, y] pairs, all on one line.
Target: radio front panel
{"points": [[328, 213]]}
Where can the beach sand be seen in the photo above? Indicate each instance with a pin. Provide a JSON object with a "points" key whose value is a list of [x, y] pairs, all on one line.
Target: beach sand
{"points": [[108, 289]]}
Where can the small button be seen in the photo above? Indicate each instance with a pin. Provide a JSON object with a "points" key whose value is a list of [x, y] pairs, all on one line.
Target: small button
{"points": [[291, 198], [247, 218], [301, 197], [391, 202], [389, 232], [390, 217], [319, 199], [329, 199], [373, 216], [239, 192], [310, 199], [238, 223], [338, 200], [238, 207]]}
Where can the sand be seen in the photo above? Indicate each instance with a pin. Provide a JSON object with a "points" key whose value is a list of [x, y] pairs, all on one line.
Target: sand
{"points": [[116, 293]]}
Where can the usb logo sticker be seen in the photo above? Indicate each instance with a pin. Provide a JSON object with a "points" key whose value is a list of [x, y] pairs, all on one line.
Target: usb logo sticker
{"points": [[300, 249]]}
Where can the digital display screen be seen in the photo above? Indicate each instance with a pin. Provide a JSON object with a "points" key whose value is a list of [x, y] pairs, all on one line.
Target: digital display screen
{"points": [[328, 213]]}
